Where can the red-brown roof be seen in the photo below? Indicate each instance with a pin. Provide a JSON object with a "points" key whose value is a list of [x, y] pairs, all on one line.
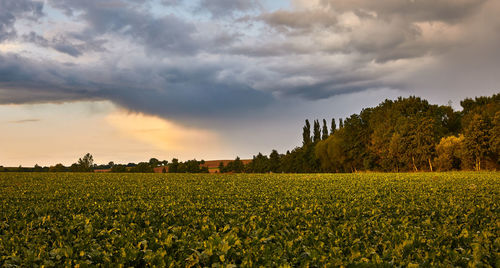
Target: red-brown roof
{"points": [[216, 163]]}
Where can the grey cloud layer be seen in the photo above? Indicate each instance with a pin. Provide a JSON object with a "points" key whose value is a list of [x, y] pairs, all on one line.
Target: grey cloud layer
{"points": [[242, 58], [411, 10], [63, 45], [10, 10], [224, 8], [166, 34]]}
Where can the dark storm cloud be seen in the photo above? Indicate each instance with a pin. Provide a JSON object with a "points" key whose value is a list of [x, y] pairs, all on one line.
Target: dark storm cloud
{"points": [[24, 80], [198, 66], [332, 87], [12, 10], [161, 90]]}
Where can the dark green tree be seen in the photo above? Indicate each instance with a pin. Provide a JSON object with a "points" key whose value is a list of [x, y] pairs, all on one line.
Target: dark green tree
{"points": [[143, 167], [317, 131], [324, 135], [333, 127], [173, 167], [274, 162], [259, 164], [495, 137], [86, 164], [119, 169], [37, 168], [221, 167], [477, 140], [306, 134], [58, 168], [238, 166], [153, 162]]}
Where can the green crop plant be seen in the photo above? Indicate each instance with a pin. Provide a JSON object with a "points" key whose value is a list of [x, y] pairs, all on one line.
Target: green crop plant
{"points": [[269, 220]]}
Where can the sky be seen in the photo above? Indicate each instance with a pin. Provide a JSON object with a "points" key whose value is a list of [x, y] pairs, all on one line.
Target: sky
{"points": [[127, 80]]}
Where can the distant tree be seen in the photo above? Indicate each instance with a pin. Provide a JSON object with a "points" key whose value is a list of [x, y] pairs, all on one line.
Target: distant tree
{"points": [[274, 162], [495, 137], [221, 167], [306, 134], [324, 135], [119, 168], [477, 142], [153, 162], [111, 164], [259, 164], [333, 127], [395, 151], [238, 165], [332, 153], [449, 153], [143, 167], [341, 123], [417, 142], [173, 167], [37, 168], [57, 168], [86, 164], [317, 131], [426, 141], [75, 168], [192, 166]]}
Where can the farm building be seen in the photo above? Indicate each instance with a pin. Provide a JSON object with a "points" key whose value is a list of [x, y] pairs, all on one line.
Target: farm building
{"points": [[213, 165]]}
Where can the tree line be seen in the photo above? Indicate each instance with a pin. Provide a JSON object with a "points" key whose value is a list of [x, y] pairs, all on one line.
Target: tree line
{"points": [[86, 164], [407, 134]]}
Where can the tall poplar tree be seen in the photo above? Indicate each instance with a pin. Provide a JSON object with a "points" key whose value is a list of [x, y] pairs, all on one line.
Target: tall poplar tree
{"points": [[317, 131], [333, 127], [324, 135], [306, 134]]}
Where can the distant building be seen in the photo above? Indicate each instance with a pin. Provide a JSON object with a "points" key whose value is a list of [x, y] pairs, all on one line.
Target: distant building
{"points": [[213, 165], [102, 170], [161, 169]]}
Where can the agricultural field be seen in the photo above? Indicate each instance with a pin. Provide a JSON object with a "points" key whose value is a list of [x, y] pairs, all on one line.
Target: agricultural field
{"points": [[426, 219]]}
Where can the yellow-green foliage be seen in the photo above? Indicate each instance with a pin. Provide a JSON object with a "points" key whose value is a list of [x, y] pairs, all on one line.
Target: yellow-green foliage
{"points": [[445, 219]]}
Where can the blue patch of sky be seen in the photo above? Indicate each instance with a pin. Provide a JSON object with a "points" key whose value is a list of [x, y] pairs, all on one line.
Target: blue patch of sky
{"points": [[189, 9], [273, 5], [182, 9]]}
